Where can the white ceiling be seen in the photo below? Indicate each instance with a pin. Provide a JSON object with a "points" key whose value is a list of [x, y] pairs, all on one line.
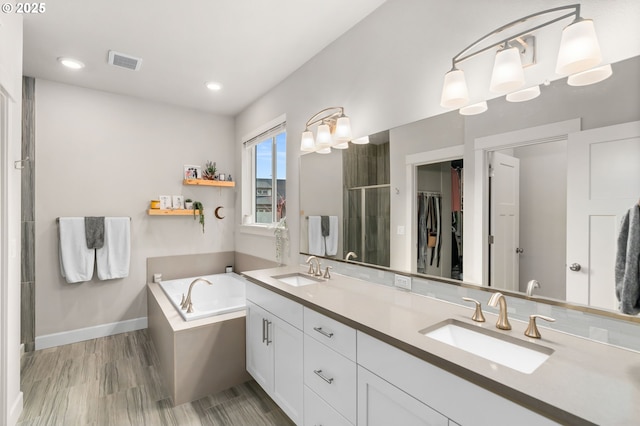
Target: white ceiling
{"points": [[247, 45]]}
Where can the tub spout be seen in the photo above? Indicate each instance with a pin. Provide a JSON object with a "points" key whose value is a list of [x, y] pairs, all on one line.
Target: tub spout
{"points": [[186, 303]]}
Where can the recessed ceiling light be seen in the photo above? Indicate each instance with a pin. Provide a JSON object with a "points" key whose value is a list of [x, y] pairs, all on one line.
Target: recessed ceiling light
{"points": [[213, 85], [71, 63]]}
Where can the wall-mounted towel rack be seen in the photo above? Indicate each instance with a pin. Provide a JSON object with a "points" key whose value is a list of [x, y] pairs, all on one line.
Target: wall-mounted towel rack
{"points": [[58, 219]]}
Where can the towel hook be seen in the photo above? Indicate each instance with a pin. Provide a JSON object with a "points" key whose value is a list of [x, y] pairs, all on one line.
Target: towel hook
{"points": [[19, 165]]}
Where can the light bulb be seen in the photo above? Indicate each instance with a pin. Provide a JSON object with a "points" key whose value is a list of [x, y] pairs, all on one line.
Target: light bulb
{"points": [[592, 76], [507, 74], [454, 90], [343, 129], [323, 138], [579, 48], [307, 144], [474, 109], [524, 94]]}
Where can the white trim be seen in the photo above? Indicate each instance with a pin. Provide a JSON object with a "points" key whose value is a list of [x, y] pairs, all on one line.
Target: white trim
{"points": [[478, 273], [16, 409], [262, 230], [436, 156], [269, 125], [4, 255], [81, 334]]}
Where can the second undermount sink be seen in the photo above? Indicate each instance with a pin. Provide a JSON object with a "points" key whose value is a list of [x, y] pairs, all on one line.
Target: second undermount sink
{"points": [[500, 348], [297, 279]]}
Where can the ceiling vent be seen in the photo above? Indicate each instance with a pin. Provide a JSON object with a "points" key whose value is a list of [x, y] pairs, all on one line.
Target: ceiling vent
{"points": [[124, 61]]}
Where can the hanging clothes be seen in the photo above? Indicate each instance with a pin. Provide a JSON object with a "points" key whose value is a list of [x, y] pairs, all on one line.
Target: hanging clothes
{"points": [[422, 233], [627, 270]]}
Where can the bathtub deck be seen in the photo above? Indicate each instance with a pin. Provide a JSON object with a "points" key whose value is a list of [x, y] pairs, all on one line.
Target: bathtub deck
{"points": [[199, 357]]}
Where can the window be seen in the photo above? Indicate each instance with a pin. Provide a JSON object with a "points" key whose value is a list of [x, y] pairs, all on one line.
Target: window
{"points": [[266, 156]]}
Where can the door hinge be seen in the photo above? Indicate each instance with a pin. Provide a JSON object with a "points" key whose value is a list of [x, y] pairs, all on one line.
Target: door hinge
{"points": [[490, 239]]}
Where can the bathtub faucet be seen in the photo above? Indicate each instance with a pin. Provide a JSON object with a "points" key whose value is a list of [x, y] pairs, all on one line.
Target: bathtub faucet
{"points": [[186, 301]]}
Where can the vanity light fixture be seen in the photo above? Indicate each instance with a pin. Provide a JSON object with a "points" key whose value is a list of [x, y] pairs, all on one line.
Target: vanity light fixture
{"points": [[474, 109], [578, 57], [334, 131], [74, 64]]}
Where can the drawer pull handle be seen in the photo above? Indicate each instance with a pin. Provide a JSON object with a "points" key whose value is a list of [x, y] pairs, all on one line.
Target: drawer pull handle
{"points": [[324, 333], [264, 333], [323, 377], [268, 337]]}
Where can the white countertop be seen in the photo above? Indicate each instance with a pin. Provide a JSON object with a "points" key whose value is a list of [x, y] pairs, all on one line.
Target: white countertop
{"points": [[582, 382]]}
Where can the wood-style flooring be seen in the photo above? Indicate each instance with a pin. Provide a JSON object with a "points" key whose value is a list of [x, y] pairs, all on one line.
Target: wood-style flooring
{"points": [[114, 381]]}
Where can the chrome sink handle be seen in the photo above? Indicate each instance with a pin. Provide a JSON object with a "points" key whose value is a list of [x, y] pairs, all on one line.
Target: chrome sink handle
{"points": [[532, 328], [327, 274], [478, 316]]}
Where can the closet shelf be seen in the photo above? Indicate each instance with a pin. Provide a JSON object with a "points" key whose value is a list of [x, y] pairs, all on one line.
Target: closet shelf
{"points": [[158, 212], [204, 182]]}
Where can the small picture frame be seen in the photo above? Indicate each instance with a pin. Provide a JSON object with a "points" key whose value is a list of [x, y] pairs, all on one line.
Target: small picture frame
{"points": [[178, 202], [165, 202], [192, 172]]}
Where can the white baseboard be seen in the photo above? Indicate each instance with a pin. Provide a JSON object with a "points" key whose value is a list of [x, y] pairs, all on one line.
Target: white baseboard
{"points": [[16, 410], [81, 334]]}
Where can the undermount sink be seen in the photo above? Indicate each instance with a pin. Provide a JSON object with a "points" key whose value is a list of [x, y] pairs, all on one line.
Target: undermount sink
{"points": [[297, 279], [506, 350]]}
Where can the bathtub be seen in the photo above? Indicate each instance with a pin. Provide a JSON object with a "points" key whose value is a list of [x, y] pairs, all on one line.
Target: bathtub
{"points": [[227, 294]]}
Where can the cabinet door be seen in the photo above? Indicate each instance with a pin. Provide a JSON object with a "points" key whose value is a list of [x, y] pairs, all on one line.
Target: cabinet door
{"points": [[287, 385], [259, 354], [380, 403]]}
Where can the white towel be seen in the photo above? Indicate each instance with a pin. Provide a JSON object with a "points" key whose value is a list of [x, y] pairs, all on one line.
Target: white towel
{"points": [[316, 240], [114, 257], [332, 240], [627, 270], [76, 260]]}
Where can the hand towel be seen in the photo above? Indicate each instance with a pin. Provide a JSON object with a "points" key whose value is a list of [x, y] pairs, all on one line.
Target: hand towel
{"points": [[331, 241], [324, 225], [316, 240], [76, 259], [94, 231], [114, 257], [627, 270]]}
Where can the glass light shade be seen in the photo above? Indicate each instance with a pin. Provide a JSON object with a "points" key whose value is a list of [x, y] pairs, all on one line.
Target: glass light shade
{"points": [[454, 90], [343, 130], [323, 138], [307, 144], [474, 109], [579, 48], [524, 94], [594, 75], [326, 150], [507, 74], [361, 141]]}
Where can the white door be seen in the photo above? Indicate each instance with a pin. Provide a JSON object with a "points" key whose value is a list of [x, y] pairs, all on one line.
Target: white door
{"points": [[259, 354], [504, 217], [381, 403], [603, 182], [288, 373]]}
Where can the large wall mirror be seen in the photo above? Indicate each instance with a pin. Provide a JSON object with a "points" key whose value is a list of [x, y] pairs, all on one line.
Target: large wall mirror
{"points": [[440, 208]]}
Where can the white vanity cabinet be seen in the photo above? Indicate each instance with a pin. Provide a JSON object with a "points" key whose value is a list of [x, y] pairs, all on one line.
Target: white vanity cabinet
{"points": [[426, 389], [382, 404], [275, 348], [330, 371]]}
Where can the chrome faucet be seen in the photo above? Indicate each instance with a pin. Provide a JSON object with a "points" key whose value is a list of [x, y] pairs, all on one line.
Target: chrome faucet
{"points": [[186, 301], [531, 285], [350, 255], [503, 321], [314, 271]]}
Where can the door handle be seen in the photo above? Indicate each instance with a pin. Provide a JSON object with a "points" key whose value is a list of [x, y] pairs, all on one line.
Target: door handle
{"points": [[268, 324], [519, 250], [575, 267]]}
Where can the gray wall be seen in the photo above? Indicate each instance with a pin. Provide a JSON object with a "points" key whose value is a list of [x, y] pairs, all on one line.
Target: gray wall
{"points": [[102, 154]]}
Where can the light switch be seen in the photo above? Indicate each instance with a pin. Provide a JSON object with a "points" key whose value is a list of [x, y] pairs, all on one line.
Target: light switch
{"points": [[400, 230]]}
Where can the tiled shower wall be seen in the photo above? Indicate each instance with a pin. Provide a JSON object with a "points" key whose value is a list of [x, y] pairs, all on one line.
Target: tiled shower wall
{"points": [[28, 266]]}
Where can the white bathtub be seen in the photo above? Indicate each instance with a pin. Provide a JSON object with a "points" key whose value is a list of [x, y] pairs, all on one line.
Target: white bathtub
{"points": [[227, 294]]}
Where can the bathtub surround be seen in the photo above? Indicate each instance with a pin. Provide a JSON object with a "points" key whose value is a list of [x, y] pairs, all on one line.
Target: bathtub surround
{"points": [[27, 259]]}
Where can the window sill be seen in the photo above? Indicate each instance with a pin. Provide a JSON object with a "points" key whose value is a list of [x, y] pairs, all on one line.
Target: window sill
{"points": [[255, 229]]}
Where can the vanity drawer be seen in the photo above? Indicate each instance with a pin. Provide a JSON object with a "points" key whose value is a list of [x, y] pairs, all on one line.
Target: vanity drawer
{"points": [[330, 332], [318, 413], [280, 306], [332, 376]]}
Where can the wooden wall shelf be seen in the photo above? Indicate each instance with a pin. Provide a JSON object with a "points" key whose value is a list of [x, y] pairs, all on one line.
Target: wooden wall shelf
{"points": [[158, 212], [204, 182]]}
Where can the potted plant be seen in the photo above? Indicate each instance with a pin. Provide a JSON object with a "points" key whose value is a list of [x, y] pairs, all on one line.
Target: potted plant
{"points": [[188, 204], [209, 171], [199, 208]]}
